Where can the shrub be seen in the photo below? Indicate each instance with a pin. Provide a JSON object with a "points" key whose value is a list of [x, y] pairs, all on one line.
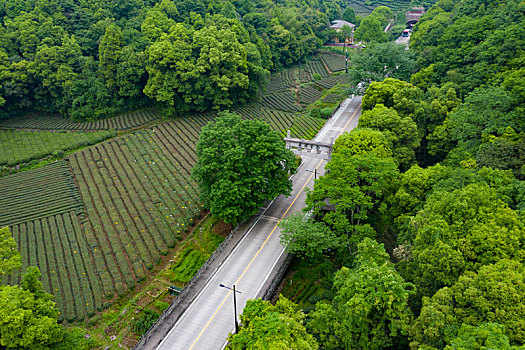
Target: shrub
{"points": [[315, 112], [75, 338], [144, 322], [298, 161], [162, 305], [58, 154], [93, 321], [326, 112], [319, 112]]}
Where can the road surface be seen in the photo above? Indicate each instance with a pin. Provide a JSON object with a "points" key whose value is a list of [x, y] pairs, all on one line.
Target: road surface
{"points": [[403, 40], [210, 318]]}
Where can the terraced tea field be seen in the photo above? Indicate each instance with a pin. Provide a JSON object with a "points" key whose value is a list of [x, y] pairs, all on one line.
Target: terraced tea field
{"points": [[365, 7], [98, 222], [44, 211], [38, 193], [23, 146], [296, 75], [105, 218], [360, 8], [126, 121], [330, 81], [300, 126], [334, 61], [283, 101], [291, 90], [139, 198], [309, 95], [316, 66], [276, 85]]}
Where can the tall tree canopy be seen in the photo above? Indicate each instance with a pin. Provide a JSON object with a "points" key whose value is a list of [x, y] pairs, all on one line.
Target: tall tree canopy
{"points": [[267, 326], [363, 140], [484, 336], [402, 133], [352, 190], [241, 164], [85, 59], [380, 61], [370, 29], [494, 294], [370, 306], [459, 231], [349, 15], [309, 239], [469, 43], [28, 316]]}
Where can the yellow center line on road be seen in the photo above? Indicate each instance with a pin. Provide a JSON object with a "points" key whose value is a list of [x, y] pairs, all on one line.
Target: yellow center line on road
{"points": [[351, 118], [251, 261], [267, 238]]}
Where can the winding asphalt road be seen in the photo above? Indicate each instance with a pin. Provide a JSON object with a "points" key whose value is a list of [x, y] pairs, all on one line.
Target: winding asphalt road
{"points": [[208, 321]]}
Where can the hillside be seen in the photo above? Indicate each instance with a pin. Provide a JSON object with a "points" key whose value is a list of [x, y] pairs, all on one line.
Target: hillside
{"points": [[102, 221], [101, 105], [89, 60], [365, 7], [415, 234]]}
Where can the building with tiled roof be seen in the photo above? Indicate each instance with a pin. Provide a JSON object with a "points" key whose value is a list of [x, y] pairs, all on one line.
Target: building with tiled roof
{"points": [[338, 25]]}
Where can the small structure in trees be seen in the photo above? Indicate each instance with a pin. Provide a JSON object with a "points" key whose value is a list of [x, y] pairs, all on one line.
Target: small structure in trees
{"points": [[341, 32], [309, 148], [414, 14]]}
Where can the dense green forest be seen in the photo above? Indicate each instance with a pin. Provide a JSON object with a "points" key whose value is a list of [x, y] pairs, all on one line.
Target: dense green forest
{"points": [[92, 58], [422, 245]]}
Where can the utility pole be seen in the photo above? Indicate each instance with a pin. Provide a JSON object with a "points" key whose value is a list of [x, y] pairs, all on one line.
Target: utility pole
{"points": [[346, 59], [315, 173], [234, 305], [235, 310]]}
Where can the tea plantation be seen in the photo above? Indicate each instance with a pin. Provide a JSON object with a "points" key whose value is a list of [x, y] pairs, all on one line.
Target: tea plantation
{"points": [[101, 220]]}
